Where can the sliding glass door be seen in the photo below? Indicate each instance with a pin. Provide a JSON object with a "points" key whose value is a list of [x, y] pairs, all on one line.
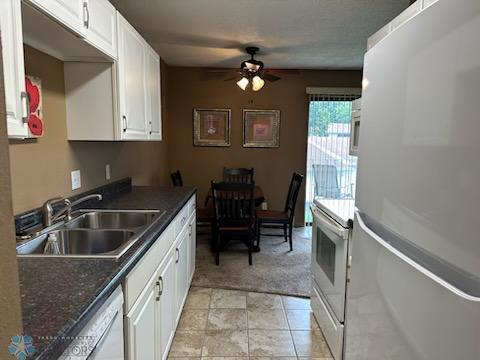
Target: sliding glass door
{"points": [[331, 170]]}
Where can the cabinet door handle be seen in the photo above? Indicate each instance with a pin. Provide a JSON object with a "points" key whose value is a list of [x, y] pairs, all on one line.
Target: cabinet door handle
{"points": [[189, 229], [151, 127], [178, 256], [26, 106], [86, 15], [124, 119], [160, 287]]}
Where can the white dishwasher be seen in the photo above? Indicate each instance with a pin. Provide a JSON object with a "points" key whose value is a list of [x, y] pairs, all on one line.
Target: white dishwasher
{"points": [[102, 337]]}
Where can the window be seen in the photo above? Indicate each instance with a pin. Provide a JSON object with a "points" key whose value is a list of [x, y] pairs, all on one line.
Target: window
{"points": [[331, 171]]}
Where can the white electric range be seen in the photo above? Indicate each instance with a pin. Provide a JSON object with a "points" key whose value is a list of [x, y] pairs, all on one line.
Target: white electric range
{"points": [[331, 234]]}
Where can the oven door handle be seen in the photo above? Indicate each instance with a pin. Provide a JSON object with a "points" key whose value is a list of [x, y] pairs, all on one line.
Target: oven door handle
{"points": [[329, 224]]}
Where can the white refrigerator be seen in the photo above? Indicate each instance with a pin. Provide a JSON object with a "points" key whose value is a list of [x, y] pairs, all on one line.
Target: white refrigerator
{"points": [[414, 290]]}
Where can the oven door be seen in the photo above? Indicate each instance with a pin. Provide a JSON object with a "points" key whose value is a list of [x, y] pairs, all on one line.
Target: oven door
{"points": [[329, 260]]}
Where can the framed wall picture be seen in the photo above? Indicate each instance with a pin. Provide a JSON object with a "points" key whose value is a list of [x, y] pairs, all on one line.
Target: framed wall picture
{"points": [[261, 128], [211, 127]]}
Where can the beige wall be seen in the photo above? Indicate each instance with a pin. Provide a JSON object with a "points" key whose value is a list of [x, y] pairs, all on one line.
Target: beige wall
{"points": [[10, 314], [41, 168], [194, 87]]}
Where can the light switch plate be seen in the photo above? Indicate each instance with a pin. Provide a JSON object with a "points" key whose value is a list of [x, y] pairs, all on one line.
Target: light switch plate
{"points": [[107, 172], [76, 180]]}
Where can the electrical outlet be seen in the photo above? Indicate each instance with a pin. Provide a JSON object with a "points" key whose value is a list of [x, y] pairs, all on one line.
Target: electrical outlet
{"points": [[76, 180], [107, 172]]}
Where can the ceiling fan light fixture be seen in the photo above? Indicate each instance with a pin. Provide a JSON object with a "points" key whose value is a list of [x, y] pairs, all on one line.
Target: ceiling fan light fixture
{"points": [[242, 83], [252, 65], [257, 83]]}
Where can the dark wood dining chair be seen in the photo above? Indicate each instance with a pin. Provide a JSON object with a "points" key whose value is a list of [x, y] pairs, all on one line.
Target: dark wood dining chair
{"points": [[176, 178], [282, 219], [204, 215], [234, 216], [238, 175]]}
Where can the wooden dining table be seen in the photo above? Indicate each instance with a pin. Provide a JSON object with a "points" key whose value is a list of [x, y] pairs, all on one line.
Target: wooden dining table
{"points": [[258, 196]]}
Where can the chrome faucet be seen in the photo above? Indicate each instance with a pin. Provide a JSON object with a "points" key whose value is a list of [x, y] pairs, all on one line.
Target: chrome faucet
{"points": [[66, 212], [47, 209]]}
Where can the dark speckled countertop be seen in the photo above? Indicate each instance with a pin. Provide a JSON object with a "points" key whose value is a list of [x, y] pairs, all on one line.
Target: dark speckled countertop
{"points": [[59, 296]]}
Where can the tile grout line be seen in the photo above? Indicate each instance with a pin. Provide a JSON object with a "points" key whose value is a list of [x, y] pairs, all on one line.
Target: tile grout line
{"points": [[289, 327], [290, 330], [206, 326], [246, 310], [248, 327]]}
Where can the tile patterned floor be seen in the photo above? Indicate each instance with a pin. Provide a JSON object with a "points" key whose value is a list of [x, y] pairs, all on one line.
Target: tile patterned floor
{"points": [[236, 325]]}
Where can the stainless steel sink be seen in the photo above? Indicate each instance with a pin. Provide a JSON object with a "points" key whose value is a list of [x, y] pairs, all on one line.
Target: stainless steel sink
{"points": [[112, 220], [78, 242], [92, 234]]}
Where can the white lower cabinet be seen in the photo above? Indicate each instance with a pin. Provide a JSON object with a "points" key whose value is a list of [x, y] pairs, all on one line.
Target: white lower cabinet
{"points": [[181, 272], [154, 303], [166, 306], [192, 245], [141, 325]]}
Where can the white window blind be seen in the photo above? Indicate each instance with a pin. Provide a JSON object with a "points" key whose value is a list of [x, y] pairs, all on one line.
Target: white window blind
{"points": [[331, 171]]}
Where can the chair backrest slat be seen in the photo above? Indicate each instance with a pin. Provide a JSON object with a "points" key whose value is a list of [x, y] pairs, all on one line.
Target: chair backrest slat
{"points": [[238, 175], [233, 203], [176, 178], [292, 196]]}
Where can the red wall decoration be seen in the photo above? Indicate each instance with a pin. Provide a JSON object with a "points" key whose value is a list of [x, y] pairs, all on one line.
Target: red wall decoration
{"points": [[33, 86]]}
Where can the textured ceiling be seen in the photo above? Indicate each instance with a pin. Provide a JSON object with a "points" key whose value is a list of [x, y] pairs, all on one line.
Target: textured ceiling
{"points": [[300, 34]]}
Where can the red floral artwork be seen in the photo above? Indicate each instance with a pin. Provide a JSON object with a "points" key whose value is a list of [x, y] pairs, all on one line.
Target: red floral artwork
{"points": [[33, 95], [35, 125], [33, 87]]}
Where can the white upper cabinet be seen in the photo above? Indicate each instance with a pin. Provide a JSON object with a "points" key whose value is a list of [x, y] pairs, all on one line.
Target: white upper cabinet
{"points": [[154, 112], [131, 82], [124, 98], [13, 68], [101, 24], [73, 14], [139, 86], [112, 76], [82, 29]]}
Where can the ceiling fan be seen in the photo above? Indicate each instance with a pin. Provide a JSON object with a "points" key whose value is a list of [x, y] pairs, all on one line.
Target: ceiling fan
{"points": [[253, 71]]}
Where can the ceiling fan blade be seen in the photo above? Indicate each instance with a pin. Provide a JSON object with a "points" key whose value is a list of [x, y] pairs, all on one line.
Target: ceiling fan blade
{"points": [[236, 77], [213, 70], [270, 77], [283, 71]]}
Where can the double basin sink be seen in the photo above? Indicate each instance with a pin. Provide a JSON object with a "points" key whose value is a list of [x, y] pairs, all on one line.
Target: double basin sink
{"points": [[93, 233]]}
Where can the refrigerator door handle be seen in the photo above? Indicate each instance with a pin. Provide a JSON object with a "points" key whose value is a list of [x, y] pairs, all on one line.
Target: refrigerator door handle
{"points": [[413, 263]]}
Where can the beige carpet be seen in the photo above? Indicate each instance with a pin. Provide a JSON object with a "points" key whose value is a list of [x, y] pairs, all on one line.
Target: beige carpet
{"points": [[275, 269]]}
